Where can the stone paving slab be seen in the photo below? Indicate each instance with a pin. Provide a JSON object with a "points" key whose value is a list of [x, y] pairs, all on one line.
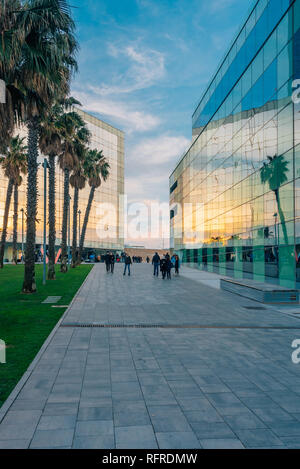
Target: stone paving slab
{"points": [[51, 299], [229, 383]]}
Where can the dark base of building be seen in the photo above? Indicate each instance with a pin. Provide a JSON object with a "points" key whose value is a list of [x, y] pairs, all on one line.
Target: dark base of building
{"points": [[278, 265], [88, 255]]}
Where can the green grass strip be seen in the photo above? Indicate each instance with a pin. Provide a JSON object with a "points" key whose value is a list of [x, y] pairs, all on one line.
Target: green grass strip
{"points": [[25, 323]]}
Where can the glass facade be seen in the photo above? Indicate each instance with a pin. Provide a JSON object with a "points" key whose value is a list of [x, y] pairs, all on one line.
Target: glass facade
{"points": [[236, 203], [106, 227]]}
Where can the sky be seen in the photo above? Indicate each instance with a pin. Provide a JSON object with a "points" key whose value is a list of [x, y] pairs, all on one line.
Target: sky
{"points": [[143, 66]]}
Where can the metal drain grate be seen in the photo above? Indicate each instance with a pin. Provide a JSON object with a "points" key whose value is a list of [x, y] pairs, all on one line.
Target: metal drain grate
{"points": [[130, 326], [258, 308], [170, 326]]}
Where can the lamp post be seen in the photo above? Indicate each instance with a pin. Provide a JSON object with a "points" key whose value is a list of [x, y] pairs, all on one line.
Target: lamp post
{"points": [[22, 212], [276, 239], [69, 229], [276, 234], [79, 231], [46, 166]]}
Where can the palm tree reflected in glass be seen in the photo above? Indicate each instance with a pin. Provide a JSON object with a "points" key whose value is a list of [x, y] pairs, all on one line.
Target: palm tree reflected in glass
{"points": [[274, 173]]}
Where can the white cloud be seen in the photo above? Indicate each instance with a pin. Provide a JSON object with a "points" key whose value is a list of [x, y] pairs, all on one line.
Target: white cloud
{"points": [[217, 5], [159, 150], [135, 188], [130, 119], [144, 68], [144, 185]]}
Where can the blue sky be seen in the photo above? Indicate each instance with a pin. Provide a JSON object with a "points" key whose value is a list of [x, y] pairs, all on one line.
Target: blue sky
{"points": [[143, 65]]}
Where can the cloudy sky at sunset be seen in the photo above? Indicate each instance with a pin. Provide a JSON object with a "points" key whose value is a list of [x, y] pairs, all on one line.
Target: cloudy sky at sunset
{"points": [[143, 65]]}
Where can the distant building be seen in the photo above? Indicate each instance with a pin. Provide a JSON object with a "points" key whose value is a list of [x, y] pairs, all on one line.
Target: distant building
{"points": [[98, 235]]}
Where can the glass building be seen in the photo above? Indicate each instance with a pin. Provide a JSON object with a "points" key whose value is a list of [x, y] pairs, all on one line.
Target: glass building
{"points": [[235, 194], [106, 222]]}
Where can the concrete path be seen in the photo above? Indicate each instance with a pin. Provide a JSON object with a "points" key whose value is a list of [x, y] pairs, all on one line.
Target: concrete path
{"points": [[217, 375]]}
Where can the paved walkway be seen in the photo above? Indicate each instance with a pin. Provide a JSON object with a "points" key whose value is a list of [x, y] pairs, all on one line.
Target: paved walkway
{"points": [[225, 380]]}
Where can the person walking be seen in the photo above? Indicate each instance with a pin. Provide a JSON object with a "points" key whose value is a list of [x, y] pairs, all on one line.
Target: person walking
{"points": [[163, 267], [148, 259], [177, 264], [128, 263], [107, 261], [112, 262], [168, 266], [156, 263]]}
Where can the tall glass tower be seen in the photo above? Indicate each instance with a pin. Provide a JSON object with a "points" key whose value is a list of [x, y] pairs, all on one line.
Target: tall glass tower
{"points": [[235, 194]]}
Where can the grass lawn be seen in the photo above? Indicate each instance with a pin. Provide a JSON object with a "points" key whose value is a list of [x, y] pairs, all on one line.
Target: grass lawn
{"points": [[25, 323]]}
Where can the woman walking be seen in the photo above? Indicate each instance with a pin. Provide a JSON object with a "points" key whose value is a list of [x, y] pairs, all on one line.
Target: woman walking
{"points": [[177, 264]]}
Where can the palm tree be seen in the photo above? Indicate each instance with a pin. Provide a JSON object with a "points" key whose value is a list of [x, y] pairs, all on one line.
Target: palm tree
{"points": [[75, 134], [275, 174], [50, 143], [5, 219], [77, 181], [15, 224], [18, 182], [36, 62], [52, 37], [14, 164], [12, 36], [96, 168]]}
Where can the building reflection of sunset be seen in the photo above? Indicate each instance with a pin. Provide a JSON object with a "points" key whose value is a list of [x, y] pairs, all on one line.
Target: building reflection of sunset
{"points": [[243, 163]]}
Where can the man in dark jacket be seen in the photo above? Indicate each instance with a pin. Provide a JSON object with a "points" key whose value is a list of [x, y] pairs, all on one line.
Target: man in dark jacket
{"points": [[155, 263], [107, 261], [112, 262], [128, 263], [163, 267], [168, 266]]}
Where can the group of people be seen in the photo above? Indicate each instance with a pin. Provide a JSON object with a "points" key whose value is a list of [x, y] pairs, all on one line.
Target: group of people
{"points": [[165, 265], [110, 260], [137, 259]]}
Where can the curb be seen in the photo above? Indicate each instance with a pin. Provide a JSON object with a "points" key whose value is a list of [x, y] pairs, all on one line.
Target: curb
{"points": [[17, 389]]}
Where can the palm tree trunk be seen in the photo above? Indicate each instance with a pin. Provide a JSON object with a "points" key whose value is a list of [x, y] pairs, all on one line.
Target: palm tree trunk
{"points": [[51, 218], [5, 220], [29, 285], [282, 218], [64, 249], [85, 222], [15, 228], [74, 243]]}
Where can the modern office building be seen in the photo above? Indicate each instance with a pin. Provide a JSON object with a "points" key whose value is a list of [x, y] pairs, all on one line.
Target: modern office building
{"points": [[235, 194], [106, 222]]}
